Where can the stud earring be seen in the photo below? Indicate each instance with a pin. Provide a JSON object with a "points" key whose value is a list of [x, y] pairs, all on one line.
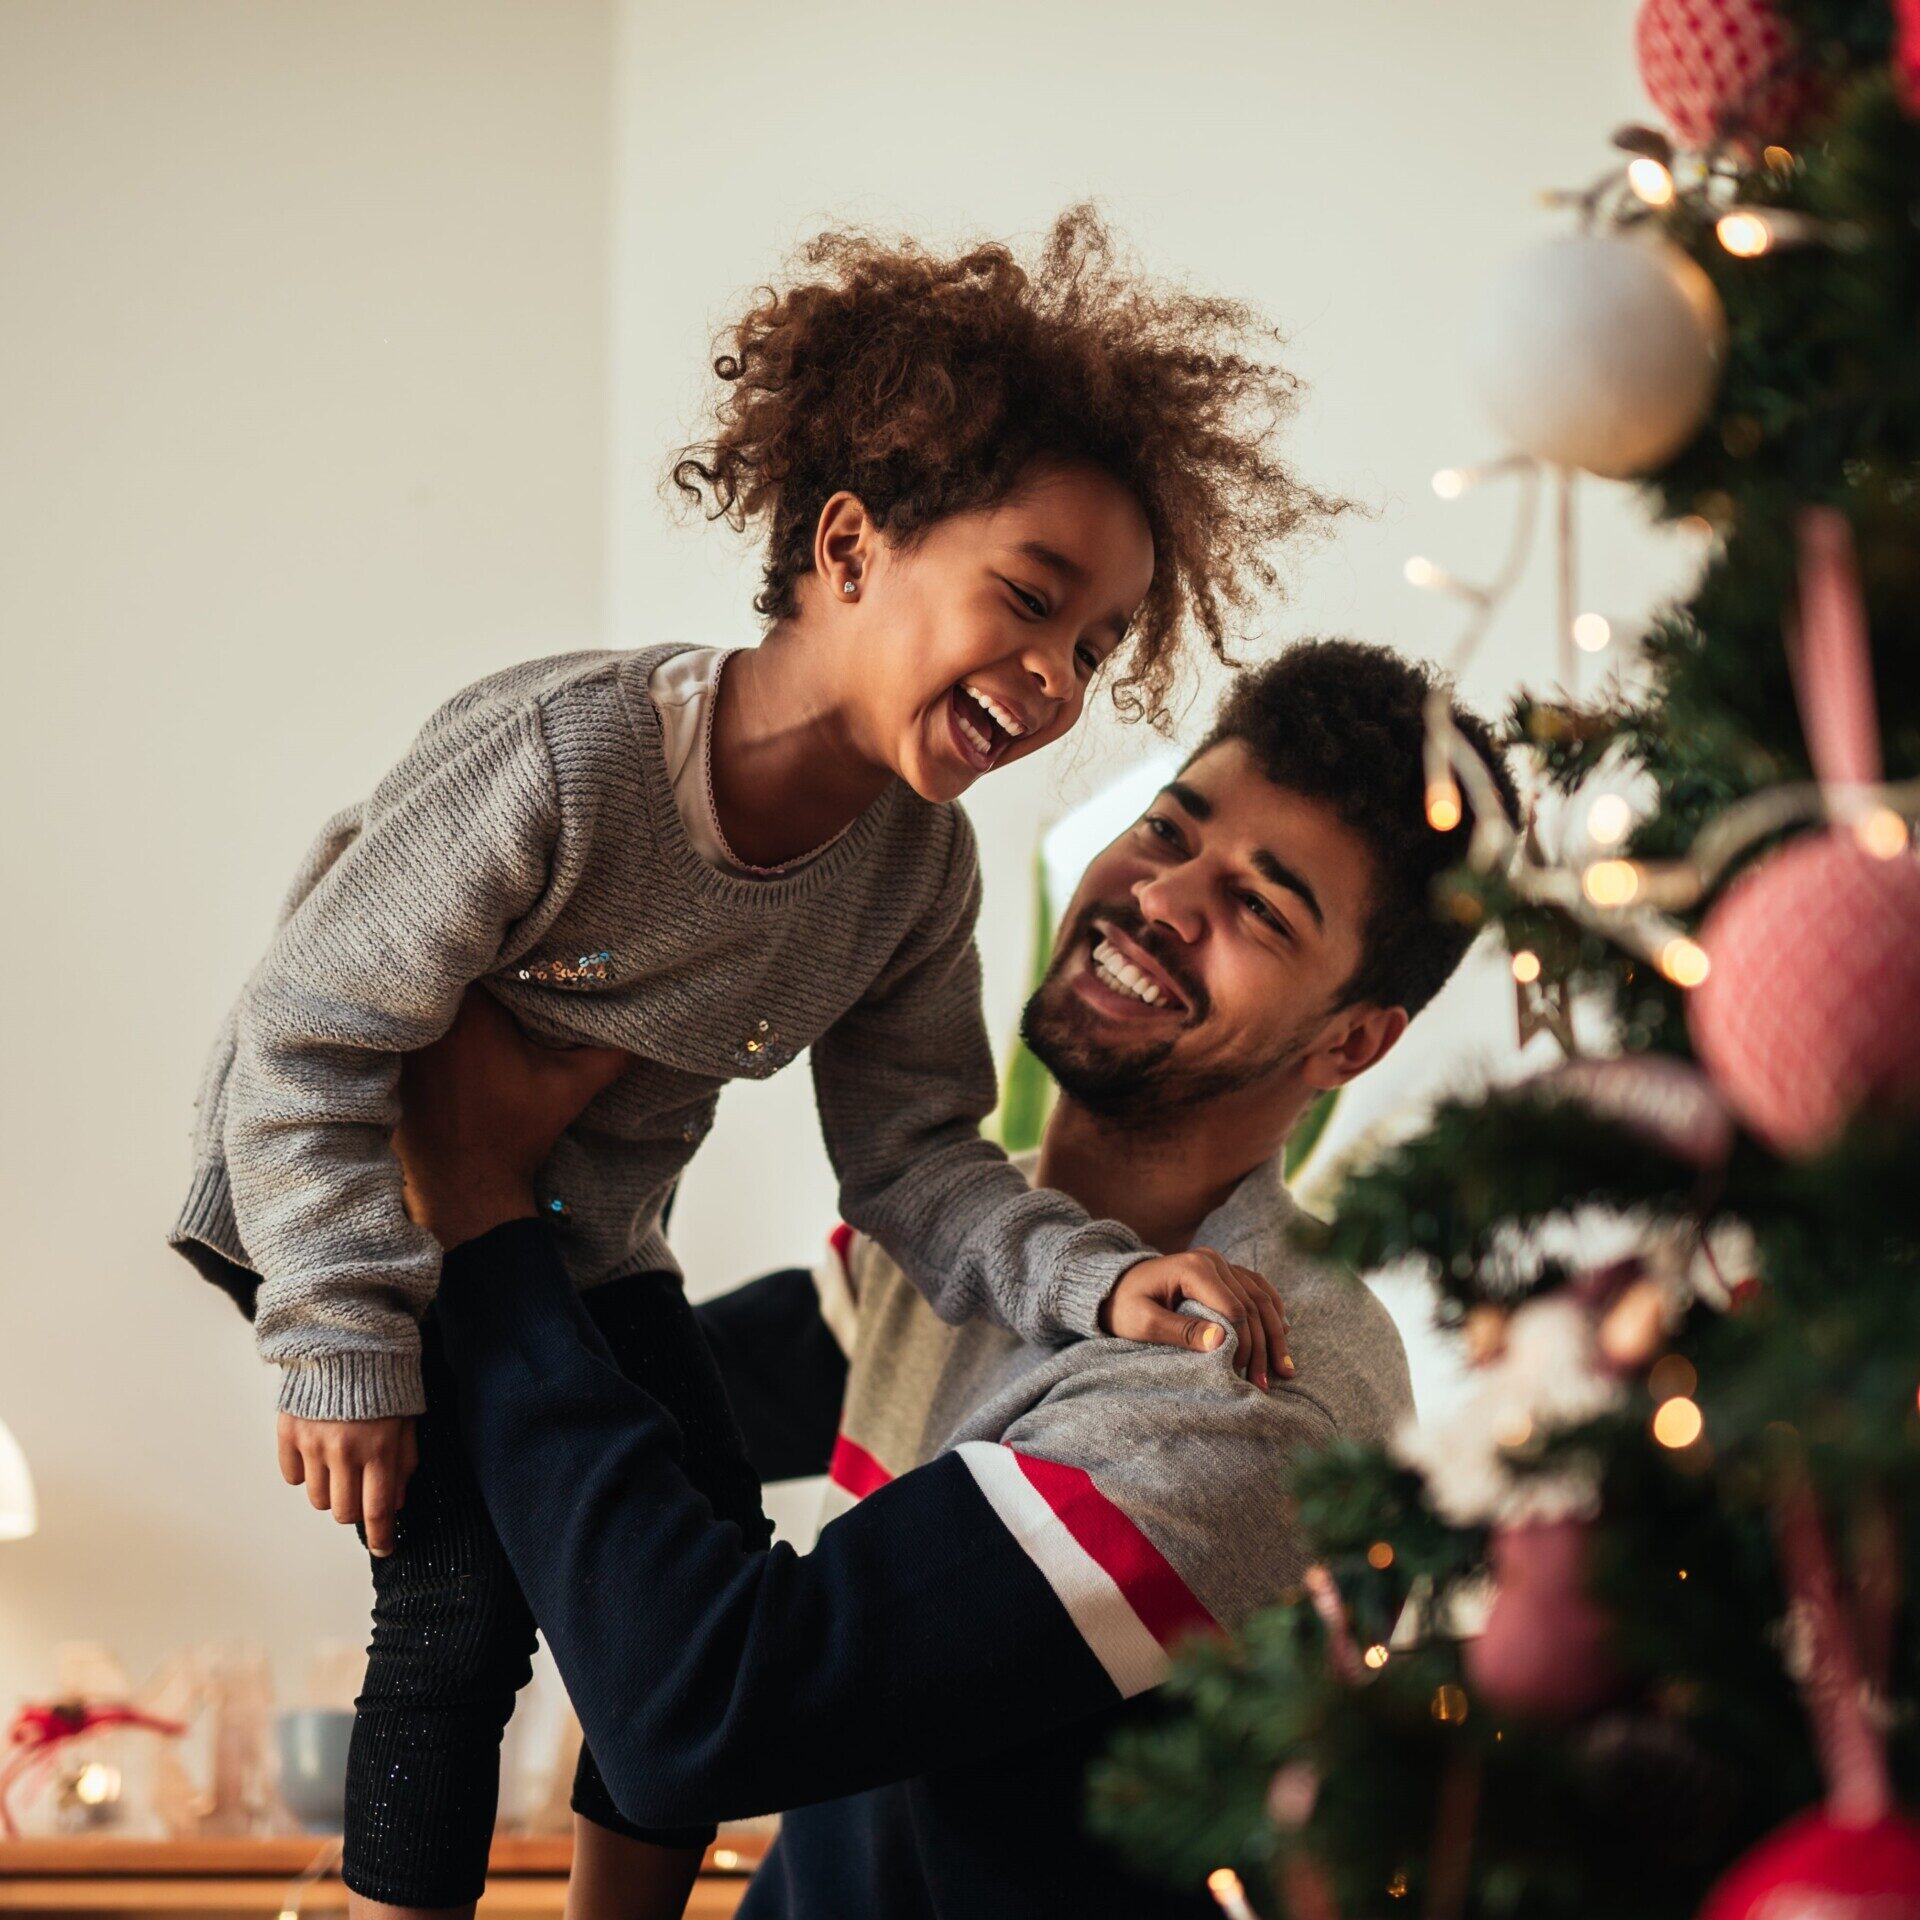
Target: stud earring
{"points": [[850, 586]]}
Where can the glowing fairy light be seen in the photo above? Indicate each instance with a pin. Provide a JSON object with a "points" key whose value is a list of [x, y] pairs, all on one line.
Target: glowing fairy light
{"points": [[1744, 234], [1380, 1555], [1685, 961], [1224, 1884], [1526, 967], [1444, 810], [1449, 483], [1650, 180], [1421, 572], [1591, 632], [1882, 833], [1678, 1423], [1375, 1656], [1449, 1704], [1673, 1378], [1610, 883], [1609, 820], [96, 1784]]}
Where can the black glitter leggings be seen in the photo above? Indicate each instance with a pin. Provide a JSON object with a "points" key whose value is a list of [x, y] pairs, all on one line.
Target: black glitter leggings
{"points": [[452, 1635]]}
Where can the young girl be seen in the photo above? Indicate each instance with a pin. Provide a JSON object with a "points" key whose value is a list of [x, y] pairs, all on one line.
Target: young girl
{"points": [[977, 484]]}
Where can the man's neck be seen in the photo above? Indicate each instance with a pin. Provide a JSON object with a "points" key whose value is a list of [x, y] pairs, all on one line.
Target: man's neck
{"points": [[1163, 1183]]}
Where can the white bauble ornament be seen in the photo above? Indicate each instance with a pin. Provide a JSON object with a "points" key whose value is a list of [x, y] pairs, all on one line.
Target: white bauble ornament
{"points": [[1600, 352]]}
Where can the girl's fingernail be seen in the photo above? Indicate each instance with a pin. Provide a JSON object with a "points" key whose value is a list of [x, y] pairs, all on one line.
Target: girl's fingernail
{"points": [[1263, 1382], [1287, 1367]]}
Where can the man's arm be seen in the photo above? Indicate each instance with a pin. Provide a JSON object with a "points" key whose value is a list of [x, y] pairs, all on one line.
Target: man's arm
{"points": [[712, 1681], [784, 1371]]}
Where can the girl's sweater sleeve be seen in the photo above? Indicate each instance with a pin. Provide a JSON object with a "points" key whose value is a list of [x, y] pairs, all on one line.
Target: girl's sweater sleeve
{"points": [[455, 846], [903, 1082]]}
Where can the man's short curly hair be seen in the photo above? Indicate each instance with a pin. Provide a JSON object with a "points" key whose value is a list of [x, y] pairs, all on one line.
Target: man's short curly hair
{"points": [[1344, 723], [931, 384]]}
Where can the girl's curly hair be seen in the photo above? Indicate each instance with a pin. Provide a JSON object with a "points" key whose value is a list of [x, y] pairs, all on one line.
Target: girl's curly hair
{"points": [[930, 385]]}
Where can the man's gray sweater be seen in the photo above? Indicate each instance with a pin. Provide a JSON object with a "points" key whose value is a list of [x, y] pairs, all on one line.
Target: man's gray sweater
{"points": [[529, 841]]}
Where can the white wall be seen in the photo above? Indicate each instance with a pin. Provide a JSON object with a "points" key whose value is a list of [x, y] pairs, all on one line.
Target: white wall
{"points": [[313, 413], [303, 365]]}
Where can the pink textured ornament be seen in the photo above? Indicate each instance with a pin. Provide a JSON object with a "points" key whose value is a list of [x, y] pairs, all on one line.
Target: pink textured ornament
{"points": [[1815, 1868], [1811, 1005], [1546, 1648], [1906, 53], [1721, 69]]}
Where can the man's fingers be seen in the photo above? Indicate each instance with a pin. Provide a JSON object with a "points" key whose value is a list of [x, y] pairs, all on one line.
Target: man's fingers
{"points": [[346, 1493], [319, 1493], [293, 1469]]}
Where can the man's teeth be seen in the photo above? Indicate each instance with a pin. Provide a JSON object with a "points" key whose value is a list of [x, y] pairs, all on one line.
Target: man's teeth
{"points": [[1010, 722], [1123, 976]]}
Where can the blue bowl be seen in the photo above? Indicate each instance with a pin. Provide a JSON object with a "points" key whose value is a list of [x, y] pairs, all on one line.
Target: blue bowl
{"points": [[313, 1765]]}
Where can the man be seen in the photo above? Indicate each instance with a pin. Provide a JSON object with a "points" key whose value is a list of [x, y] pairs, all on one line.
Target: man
{"points": [[1024, 1533]]}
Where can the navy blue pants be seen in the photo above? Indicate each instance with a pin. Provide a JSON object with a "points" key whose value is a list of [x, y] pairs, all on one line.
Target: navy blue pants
{"points": [[453, 1637]]}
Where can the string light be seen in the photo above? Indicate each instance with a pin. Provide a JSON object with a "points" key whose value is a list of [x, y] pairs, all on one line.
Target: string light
{"points": [[1609, 820], [1678, 1423], [1380, 1555], [1397, 1887], [1444, 811], [1778, 159], [1449, 483], [1449, 1704], [1591, 632], [1224, 1884], [1526, 967], [1650, 180], [1375, 1656], [1514, 1428], [1421, 572], [1882, 833], [96, 1783], [1685, 962], [1744, 235], [1611, 883]]}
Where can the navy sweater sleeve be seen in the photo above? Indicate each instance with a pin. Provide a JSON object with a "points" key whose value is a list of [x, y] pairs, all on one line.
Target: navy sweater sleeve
{"points": [[713, 1681], [784, 1372]]}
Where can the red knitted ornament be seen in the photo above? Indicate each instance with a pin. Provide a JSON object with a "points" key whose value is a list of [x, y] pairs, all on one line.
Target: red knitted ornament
{"points": [[1811, 1005], [1906, 53], [1814, 1868], [1721, 69]]}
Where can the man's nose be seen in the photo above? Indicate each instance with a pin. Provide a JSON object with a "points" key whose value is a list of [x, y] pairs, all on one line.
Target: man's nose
{"points": [[1174, 901]]}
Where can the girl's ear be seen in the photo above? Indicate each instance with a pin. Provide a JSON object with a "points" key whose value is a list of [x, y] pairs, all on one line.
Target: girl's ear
{"points": [[1356, 1039], [843, 545]]}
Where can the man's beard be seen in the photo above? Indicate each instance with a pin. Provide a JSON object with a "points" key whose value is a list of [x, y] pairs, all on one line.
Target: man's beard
{"points": [[1131, 1089]]}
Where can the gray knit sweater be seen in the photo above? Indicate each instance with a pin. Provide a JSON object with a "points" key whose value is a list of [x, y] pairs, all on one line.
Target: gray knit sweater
{"points": [[529, 840]]}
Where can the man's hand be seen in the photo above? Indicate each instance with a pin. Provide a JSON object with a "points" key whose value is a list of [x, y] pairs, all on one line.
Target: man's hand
{"points": [[357, 1469], [1145, 1301], [480, 1112]]}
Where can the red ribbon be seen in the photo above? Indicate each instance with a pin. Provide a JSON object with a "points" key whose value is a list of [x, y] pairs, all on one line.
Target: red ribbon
{"points": [[38, 1732]]}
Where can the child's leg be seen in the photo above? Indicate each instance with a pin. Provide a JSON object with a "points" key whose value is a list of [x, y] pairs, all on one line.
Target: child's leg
{"points": [[622, 1871], [452, 1644]]}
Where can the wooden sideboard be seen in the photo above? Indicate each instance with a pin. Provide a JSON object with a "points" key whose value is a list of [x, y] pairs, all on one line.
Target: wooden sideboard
{"points": [[147, 1879]]}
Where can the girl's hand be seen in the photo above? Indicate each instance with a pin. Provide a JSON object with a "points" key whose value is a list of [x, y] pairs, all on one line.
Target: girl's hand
{"points": [[1145, 1300], [357, 1469]]}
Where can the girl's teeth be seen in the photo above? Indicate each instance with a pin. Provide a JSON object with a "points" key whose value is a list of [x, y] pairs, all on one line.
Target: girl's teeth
{"points": [[1009, 721], [977, 740]]}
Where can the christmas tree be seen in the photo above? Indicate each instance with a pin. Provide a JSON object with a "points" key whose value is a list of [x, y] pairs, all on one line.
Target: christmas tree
{"points": [[1633, 1632]]}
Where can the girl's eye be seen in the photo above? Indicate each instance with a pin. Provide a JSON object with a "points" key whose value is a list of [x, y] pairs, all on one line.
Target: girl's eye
{"points": [[1089, 658], [1031, 601]]}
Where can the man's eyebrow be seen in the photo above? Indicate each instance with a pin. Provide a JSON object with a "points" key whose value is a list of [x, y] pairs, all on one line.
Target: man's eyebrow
{"points": [[1196, 804], [1050, 557], [1284, 876]]}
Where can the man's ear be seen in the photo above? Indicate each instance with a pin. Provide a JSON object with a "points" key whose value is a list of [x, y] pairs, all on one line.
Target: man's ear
{"points": [[1355, 1039], [844, 541]]}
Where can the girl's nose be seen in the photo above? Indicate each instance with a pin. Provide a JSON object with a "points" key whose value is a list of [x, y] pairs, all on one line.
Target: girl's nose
{"points": [[1051, 670]]}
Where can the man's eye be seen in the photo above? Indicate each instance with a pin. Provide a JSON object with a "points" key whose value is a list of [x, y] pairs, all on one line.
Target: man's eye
{"points": [[1265, 914], [1161, 828]]}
